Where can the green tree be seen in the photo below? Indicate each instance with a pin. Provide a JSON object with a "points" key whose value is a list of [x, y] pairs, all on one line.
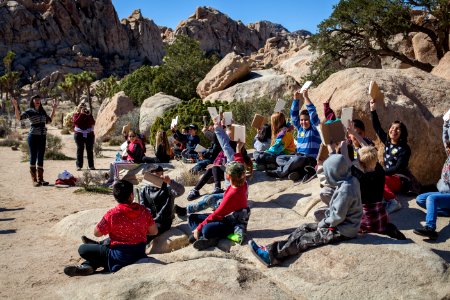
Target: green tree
{"points": [[139, 84], [8, 82], [363, 29], [185, 65], [105, 88], [85, 79]]}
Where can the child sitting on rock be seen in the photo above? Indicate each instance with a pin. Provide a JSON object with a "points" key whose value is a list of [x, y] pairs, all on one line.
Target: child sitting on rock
{"points": [[437, 203], [127, 225], [209, 229], [160, 200], [191, 140], [341, 222]]}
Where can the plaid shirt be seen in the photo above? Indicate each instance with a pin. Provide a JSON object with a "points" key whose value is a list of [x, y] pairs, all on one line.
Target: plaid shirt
{"points": [[374, 218]]}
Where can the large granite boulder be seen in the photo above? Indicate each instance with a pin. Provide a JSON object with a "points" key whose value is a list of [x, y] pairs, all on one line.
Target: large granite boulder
{"points": [[443, 68], [424, 49], [154, 107], [230, 69], [417, 98], [109, 113], [217, 32], [81, 223], [71, 36], [297, 65], [264, 84]]}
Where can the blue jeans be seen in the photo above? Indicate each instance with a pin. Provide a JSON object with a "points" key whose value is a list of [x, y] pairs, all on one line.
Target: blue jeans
{"points": [[435, 203], [216, 229], [36, 144], [209, 201]]}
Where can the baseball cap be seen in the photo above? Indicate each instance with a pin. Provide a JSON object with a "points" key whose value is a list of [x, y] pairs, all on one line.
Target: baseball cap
{"points": [[193, 126]]}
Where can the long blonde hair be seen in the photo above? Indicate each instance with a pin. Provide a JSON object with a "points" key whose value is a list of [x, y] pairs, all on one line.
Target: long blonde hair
{"points": [[161, 138], [277, 121]]}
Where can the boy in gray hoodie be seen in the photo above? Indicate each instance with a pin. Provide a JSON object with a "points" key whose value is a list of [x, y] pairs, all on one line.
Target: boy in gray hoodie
{"points": [[341, 222]]}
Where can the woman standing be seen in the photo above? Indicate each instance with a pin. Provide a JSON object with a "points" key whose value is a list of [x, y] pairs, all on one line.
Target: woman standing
{"points": [[37, 135], [84, 135]]}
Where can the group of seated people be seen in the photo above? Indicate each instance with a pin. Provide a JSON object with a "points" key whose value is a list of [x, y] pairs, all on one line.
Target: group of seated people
{"points": [[357, 191]]}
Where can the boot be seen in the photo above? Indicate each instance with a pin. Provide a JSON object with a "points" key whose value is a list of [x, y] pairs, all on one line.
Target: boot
{"points": [[33, 175], [40, 176]]}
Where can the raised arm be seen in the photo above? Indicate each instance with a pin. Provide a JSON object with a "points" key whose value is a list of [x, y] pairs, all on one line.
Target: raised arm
{"points": [[295, 109]]}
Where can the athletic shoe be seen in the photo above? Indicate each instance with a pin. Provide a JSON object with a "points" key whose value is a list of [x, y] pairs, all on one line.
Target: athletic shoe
{"points": [[87, 240], [92, 168], [310, 174], [203, 244], [82, 270], [217, 191], [260, 252], [392, 206], [427, 231], [294, 176], [180, 211], [193, 194]]}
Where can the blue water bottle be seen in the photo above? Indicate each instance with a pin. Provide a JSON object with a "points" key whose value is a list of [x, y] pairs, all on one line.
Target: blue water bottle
{"points": [[118, 157]]}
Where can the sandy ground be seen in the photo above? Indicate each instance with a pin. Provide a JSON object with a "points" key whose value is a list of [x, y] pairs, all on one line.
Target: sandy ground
{"points": [[33, 257]]}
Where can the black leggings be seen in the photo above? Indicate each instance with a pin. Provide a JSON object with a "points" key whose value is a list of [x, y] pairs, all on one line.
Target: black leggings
{"points": [[215, 172], [95, 255]]}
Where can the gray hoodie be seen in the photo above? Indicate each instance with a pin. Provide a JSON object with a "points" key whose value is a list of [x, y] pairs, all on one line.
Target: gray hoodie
{"points": [[345, 209]]}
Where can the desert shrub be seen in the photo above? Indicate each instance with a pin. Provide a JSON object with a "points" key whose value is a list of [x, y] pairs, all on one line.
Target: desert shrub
{"points": [[186, 178], [92, 182], [68, 120], [65, 131], [116, 140], [98, 148], [5, 127], [9, 143], [58, 120]]}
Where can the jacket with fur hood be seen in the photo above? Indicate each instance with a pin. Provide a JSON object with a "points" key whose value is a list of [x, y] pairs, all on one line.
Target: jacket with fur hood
{"points": [[345, 209]]}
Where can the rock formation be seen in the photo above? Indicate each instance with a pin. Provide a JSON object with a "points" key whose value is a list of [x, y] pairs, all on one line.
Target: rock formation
{"points": [[71, 36], [443, 68], [109, 113], [417, 98], [154, 107], [229, 70], [264, 84], [217, 32]]}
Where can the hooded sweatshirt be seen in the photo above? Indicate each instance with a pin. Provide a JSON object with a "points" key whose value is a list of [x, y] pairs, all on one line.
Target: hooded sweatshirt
{"points": [[345, 209], [126, 224]]}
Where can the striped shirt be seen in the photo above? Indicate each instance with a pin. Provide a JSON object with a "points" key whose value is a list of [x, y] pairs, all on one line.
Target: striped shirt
{"points": [[37, 120], [308, 140]]}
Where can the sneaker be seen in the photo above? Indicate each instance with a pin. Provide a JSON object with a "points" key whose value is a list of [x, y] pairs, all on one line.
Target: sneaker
{"points": [[193, 194], [260, 252], [426, 231], [235, 237], [92, 168], [217, 191], [203, 243], [310, 174], [294, 176], [180, 211], [82, 270], [86, 240], [392, 206]]}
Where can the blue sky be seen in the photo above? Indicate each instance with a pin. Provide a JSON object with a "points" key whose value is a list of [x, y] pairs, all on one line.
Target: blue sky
{"points": [[292, 14]]}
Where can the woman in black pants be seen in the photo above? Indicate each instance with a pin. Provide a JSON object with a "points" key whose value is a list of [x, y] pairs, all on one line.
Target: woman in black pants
{"points": [[84, 122], [37, 136]]}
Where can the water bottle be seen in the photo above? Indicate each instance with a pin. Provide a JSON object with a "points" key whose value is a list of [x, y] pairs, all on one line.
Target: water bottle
{"points": [[118, 157]]}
